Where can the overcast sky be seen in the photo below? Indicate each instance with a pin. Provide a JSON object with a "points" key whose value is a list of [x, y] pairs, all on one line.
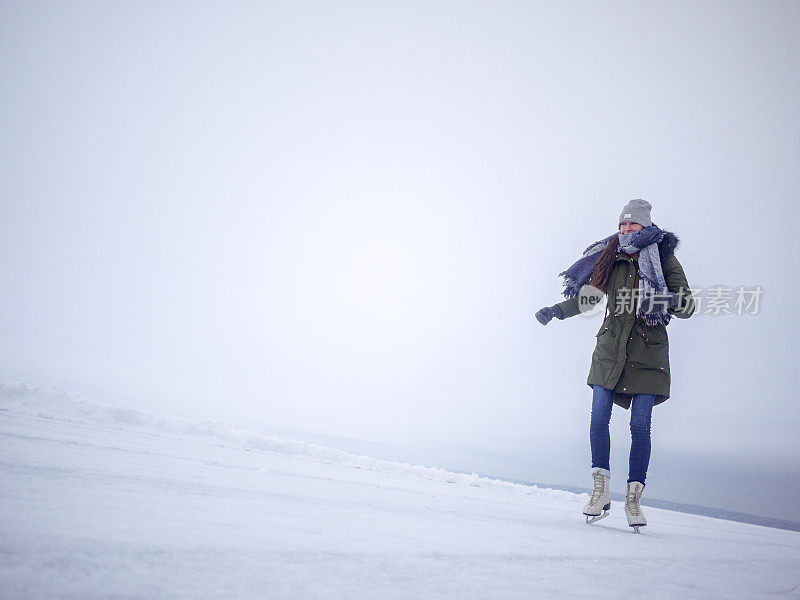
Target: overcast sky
{"points": [[339, 218]]}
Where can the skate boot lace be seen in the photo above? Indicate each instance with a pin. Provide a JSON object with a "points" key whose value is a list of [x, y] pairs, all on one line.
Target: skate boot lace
{"points": [[597, 493], [632, 503]]}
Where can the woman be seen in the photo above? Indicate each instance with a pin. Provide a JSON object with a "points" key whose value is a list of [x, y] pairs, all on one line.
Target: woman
{"points": [[645, 285]]}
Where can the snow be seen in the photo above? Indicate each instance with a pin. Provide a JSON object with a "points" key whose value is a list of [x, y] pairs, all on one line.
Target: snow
{"points": [[102, 501]]}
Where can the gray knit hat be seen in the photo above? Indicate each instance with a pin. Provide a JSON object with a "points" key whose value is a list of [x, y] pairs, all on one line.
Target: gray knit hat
{"points": [[636, 211]]}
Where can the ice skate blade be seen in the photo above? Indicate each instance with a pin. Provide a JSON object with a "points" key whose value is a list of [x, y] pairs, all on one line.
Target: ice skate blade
{"points": [[636, 528], [590, 519]]}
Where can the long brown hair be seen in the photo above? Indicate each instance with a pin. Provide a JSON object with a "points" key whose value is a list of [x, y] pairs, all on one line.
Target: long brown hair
{"points": [[605, 264]]}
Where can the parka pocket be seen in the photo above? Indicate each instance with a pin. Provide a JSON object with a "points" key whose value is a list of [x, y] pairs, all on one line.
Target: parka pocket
{"points": [[606, 338], [604, 330], [608, 325], [655, 339]]}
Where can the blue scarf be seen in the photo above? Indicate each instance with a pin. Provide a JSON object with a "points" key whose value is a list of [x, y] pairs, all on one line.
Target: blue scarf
{"points": [[651, 277]]}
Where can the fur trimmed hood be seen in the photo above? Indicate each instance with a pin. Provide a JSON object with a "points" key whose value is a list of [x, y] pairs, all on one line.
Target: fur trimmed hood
{"points": [[668, 244]]}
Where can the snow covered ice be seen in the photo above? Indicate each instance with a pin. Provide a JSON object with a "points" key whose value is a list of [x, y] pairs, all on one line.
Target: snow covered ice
{"points": [[108, 502]]}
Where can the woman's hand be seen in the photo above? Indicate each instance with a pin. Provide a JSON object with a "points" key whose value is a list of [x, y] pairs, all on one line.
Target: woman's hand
{"points": [[545, 315]]}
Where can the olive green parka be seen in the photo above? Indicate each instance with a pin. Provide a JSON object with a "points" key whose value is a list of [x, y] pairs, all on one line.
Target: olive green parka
{"points": [[631, 357]]}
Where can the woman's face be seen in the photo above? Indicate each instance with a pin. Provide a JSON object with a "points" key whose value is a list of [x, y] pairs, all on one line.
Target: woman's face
{"points": [[628, 226]]}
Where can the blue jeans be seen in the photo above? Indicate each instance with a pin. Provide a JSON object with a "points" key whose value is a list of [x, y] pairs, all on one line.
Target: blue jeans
{"points": [[600, 439]]}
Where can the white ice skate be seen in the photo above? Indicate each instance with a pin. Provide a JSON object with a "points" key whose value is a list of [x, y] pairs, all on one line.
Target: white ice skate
{"points": [[600, 502], [633, 507]]}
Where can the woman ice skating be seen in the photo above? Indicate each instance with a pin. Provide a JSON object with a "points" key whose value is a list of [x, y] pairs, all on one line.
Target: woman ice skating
{"points": [[645, 287]]}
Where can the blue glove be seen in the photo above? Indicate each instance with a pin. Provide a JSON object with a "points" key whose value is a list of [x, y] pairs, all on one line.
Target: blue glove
{"points": [[547, 313], [650, 301]]}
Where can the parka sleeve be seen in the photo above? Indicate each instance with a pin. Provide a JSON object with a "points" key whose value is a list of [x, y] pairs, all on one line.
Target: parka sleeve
{"points": [[569, 308], [677, 283]]}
